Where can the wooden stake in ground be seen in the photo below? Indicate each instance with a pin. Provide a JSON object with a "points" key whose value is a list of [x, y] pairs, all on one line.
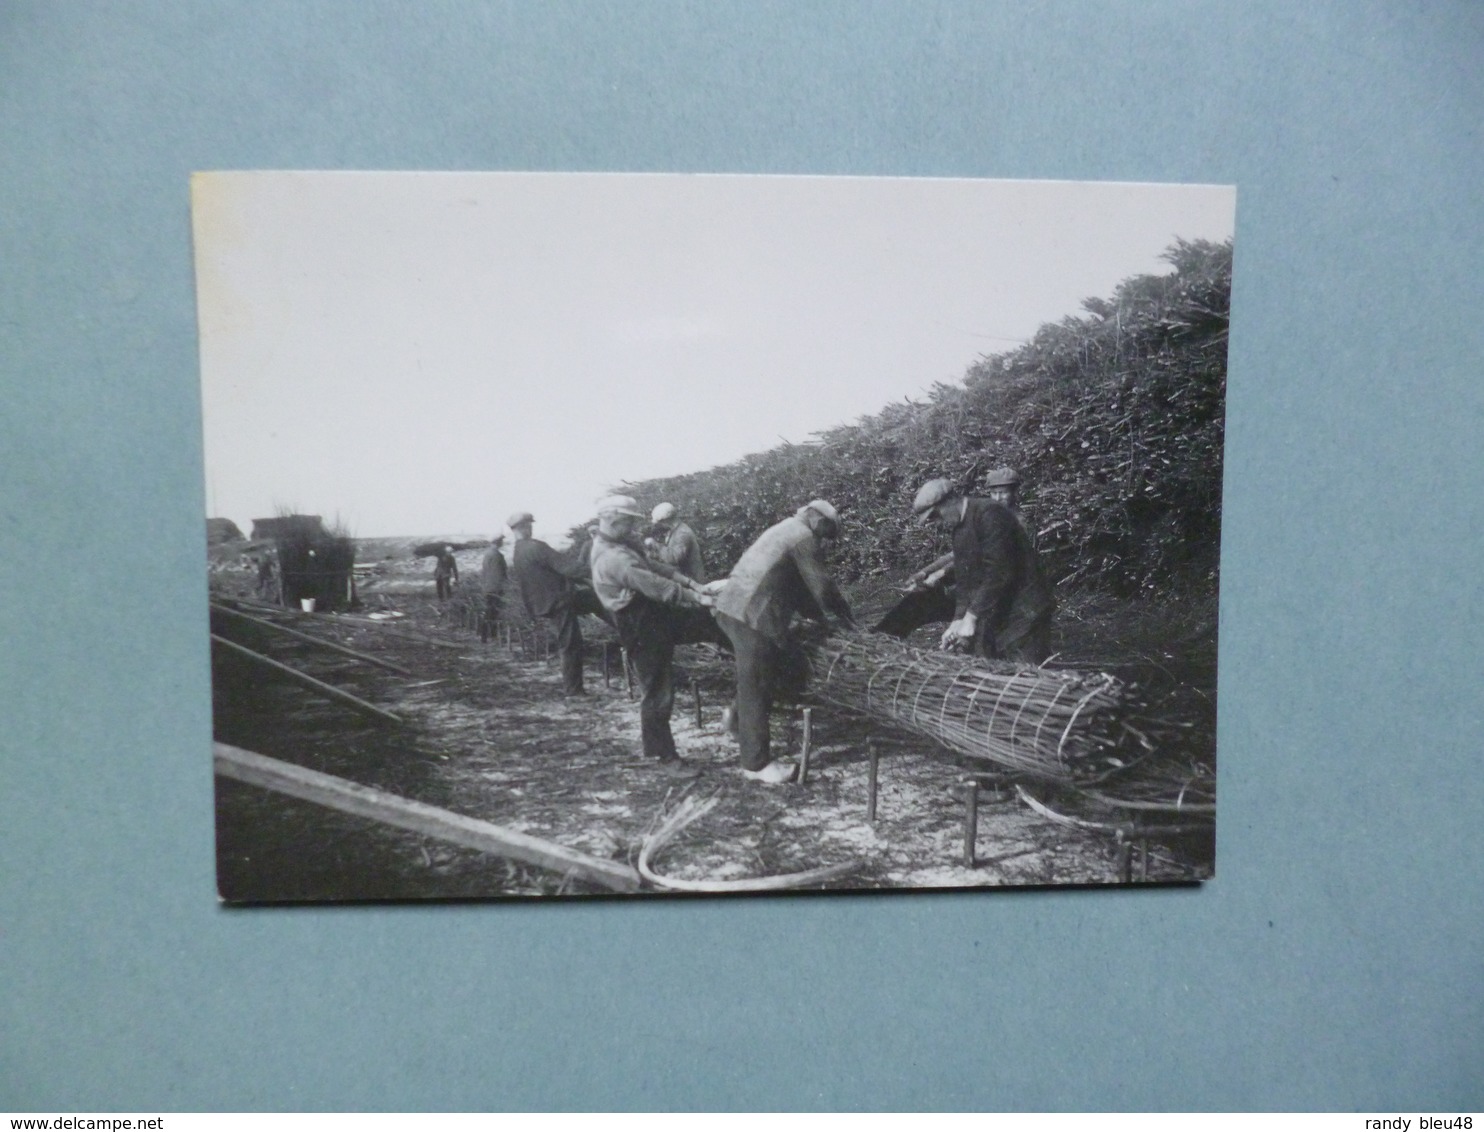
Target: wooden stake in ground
{"points": [[805, 744], [971, 820], [873, 765], [404, 813], [696, 692]]}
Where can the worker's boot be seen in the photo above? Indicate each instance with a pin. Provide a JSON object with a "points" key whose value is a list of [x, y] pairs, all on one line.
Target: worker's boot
{"points": [[775, 773]]}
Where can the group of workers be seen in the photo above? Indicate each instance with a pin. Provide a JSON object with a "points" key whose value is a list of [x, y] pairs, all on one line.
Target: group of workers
{"points": [[655, 592]]}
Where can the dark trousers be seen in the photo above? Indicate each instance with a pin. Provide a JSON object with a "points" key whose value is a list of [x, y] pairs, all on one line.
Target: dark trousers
{"points": [[445, 586], [759, 661], [563, 617], [489, 620], [569, 644], [647, 630], [691, 625], [1025, 641]]}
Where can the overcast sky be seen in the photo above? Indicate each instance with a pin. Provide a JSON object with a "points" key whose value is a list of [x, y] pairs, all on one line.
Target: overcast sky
{"points": [[423, 353]]}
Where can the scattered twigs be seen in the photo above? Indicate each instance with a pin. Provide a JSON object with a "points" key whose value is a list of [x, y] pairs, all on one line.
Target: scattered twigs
{"points": [[330, 690], [691, 809], [386, 630], [313, 640], [431, 821], [307, 681]]}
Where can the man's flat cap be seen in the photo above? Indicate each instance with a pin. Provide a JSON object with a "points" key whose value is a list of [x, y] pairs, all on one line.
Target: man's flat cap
{"points": [[930, 494], [821, 507], [619, 505], [1002, 477]]}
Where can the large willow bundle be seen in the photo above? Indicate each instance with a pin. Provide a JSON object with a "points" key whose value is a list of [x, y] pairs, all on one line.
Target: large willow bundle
{"points": [[1042, 722]]}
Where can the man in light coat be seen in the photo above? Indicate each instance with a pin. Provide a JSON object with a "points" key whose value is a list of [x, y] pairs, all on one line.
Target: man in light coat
{"points": [[646, 600], [779, 575]]}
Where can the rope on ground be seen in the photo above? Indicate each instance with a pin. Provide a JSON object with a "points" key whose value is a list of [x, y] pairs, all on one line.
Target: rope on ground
{"points": [[691, 809]]}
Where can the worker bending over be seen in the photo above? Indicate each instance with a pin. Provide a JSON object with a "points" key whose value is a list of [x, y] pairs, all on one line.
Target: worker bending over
{"points": [[647, 600], [1003, 605], [780, 574]]}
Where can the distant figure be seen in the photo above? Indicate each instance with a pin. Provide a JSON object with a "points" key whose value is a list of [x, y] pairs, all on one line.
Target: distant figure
{"points": [[646, 599], [675, 544], [446, 573], [548, 586], [780, 574], [269, 588], [492, 575], [1003, 605]]}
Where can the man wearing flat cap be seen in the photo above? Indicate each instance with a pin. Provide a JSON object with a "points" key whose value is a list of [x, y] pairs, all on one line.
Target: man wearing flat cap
{"points": [[548, 583], [675, 544], [1003, 604], [647, 601], [780, 574]]}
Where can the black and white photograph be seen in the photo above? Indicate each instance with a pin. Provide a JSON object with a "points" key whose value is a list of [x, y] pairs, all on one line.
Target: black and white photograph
{"points": [[593, 534]]}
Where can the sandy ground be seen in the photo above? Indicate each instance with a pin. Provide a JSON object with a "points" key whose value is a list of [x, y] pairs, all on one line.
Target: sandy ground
{"points": [[488, 734]]}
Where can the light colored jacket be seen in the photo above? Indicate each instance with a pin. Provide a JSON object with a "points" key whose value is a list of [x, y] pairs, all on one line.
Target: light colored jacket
{"points": [[682, 550], [781, 574], [620, 571]]}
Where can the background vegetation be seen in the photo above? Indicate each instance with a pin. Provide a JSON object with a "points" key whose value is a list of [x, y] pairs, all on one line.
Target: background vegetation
{"points": [[1113, 418]]}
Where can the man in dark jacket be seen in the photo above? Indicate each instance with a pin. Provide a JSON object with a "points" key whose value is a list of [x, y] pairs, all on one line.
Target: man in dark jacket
{"points": [[445, 573], [646, 600], [547, 582], [780, 574], [492, 576], [1003, 603]]}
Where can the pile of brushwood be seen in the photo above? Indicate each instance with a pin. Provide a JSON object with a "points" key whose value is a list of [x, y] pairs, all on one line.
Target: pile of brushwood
{"points": [[316, 562], [1112, 417]]}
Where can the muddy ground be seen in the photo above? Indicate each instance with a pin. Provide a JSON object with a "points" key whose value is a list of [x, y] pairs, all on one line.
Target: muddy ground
{"points": [[488, 734]]}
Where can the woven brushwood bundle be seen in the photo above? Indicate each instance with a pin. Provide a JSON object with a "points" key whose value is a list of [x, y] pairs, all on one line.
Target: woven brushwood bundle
{"points": [[1045, 723]]}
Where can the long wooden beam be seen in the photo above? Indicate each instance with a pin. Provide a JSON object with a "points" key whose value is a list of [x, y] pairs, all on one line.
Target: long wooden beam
{"points": [[320, 641], [307, 680], [392, 809]]}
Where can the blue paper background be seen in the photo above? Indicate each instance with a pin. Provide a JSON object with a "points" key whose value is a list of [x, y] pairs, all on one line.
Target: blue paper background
{"points": [[1337, 961]]}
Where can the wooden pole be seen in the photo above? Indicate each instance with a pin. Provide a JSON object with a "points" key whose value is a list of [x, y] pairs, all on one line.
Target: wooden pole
{"points": [[331, 645], [308, 681], [805, 744], [404, 813], [873, 766], [971, 820], [696, 693]]}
